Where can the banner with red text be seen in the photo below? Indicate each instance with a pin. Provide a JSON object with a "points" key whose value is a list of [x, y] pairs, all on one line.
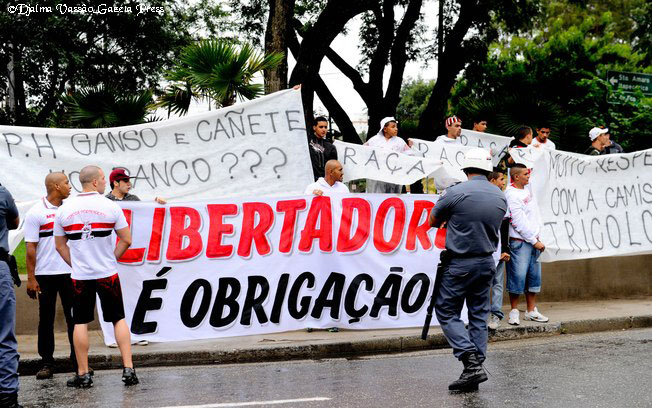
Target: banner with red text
{"points": [[241, 266]]}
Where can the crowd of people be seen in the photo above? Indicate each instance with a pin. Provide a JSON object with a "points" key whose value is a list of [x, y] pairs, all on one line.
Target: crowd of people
{"points": [[505, 230], [70, 252]]}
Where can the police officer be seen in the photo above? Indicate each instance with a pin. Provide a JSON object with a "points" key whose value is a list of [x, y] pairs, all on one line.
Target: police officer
{"points": [[8, 346], [472, 212]]}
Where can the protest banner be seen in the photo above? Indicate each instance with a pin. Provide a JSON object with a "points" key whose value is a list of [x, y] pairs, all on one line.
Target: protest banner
{"points": [[260, 144], [236, 267], [594, 206], [496, 144], [381, 164], [453, 153]]}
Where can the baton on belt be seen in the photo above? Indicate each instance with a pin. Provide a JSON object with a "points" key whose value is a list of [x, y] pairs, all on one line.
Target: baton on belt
{"points": [[443, 260]]}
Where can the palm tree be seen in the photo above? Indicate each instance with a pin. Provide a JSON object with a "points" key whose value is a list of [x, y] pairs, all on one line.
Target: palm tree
{"points": [[105, 106], [217, 70]]}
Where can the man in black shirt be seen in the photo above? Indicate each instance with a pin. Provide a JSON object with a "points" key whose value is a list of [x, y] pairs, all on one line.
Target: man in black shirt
{"points": [[321, 150], [599, 140], [121, 185]]}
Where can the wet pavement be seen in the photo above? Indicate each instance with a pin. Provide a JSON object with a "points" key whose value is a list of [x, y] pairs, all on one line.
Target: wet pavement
{"points": [[609, 369]]}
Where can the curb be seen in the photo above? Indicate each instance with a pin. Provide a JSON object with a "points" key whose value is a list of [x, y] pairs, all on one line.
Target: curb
{"points": [[388, 345]]}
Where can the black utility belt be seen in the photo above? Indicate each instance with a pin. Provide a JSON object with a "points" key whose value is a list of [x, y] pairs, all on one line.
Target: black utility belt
{"points": [[454, 255]]}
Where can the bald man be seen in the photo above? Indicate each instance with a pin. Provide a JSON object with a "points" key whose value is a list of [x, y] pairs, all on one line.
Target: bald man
{"points": [[83, 228], [331, 182], [47, 274]]}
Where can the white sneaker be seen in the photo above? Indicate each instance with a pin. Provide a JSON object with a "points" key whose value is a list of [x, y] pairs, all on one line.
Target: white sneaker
{"points": [[513, 317], [142, 342], [494, 322], [113, 345], [535, 316]]}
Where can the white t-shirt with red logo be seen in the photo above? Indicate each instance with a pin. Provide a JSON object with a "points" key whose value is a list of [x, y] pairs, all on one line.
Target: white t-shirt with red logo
{"points": [[88, 221], [38, 227]]}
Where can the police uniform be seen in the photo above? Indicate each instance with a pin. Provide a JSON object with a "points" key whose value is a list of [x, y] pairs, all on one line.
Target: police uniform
{"points": [[8, 344], [473, 211]]}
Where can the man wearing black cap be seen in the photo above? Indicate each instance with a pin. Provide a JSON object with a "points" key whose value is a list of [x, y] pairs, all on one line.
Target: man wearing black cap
{"points": [[121, 185]]}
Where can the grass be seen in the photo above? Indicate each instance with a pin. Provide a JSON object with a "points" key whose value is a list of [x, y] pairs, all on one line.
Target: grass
{"points": [[19, 253]]}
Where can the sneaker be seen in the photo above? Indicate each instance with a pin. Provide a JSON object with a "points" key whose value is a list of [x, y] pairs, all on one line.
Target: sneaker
{"points": [[142, 342], [113, 345], [494, 322], [44, 373], [80, 381], [333, 330], [535, 316], [129, 376], [513, 317]]}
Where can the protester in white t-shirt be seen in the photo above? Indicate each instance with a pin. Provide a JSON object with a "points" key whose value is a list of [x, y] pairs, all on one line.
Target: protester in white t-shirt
{"points": [[47, 273], [83, 228], [543, 139], [524, 268], [331, 183], [387, 138], [454, 128]]}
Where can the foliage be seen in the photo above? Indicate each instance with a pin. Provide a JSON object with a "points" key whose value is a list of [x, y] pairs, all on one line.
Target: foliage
{"points": [[54, 51], [216, 69], [557, 77], [414, 98], [105, 106]]}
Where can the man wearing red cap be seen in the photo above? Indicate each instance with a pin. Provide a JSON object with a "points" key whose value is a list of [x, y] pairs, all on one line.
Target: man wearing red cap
{"points": [[454, 127], [121, 185]]}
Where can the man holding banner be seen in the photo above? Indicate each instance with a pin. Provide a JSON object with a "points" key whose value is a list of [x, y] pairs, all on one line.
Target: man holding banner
{"points": [[454, 127], [473, 211], [387, 139]]}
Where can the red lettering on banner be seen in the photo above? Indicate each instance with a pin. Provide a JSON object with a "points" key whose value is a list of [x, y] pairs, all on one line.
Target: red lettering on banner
{"points": [[289, 208], [346, 242], [320, 208], [416, 230], [255, 234], [217, 229], [156, 238], [178, 230], [132, 255], [379, 225]]}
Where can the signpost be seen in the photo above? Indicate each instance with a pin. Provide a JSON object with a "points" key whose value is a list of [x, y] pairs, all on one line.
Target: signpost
{"points": [[629, 82]]}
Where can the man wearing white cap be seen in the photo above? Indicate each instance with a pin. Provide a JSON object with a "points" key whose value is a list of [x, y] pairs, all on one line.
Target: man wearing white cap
{"points": [[387, 138], [599, 140], [454, 127]]}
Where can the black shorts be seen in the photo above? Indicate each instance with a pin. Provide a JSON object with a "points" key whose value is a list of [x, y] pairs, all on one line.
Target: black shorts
{"points": [[110, 293]]}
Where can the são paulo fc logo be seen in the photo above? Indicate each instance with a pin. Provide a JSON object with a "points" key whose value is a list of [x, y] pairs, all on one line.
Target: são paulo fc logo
{"points": [[86, 231]]}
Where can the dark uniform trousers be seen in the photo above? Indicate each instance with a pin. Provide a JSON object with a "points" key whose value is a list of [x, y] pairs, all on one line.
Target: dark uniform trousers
{"points": [[458, 280], [47, 302]]}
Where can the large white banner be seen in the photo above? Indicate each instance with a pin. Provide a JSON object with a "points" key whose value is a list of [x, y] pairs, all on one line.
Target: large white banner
{"points": [[381, 164], [594, 206], [496, 144], [236, 267], [257, 147]]}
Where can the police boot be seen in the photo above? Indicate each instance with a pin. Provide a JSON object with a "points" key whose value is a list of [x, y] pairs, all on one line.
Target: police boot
{"points": [[472, 375], [9, 400]]}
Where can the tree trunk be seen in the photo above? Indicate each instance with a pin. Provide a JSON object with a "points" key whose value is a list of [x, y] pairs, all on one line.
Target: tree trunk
{"points": [[16, 88], [317, 40], [276, 40]]}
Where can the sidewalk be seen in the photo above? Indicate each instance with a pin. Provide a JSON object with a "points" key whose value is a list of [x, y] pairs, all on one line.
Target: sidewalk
{"points": [[565, 318]]}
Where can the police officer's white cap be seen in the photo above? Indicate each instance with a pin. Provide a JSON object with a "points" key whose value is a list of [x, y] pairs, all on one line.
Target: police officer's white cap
{"points": [[477, 158]]}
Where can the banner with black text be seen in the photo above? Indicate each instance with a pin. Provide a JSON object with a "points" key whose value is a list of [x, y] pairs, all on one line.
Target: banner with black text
{"points": [[236, 267]]}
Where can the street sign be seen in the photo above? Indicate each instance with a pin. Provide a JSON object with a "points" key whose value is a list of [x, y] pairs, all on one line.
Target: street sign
{"points": [[629, 82]]}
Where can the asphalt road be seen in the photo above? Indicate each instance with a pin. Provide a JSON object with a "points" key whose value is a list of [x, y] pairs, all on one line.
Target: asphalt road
{"points": [[611, 369]]}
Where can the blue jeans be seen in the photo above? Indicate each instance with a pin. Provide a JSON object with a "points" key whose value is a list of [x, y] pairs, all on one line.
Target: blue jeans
{"points": [[524, 268], [465, 280], [8, 343], [497, 291]]}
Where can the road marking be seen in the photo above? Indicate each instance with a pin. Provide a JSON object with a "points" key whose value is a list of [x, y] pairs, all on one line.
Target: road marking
{"points": [[248, 404]]}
